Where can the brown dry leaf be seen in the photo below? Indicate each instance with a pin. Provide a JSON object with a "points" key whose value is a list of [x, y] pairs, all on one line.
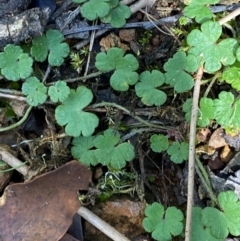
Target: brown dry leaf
{"points": [[68, 237], [42, 209], [112, 40], [217, 140], [226, 154], [206, 149], [203, 134]]}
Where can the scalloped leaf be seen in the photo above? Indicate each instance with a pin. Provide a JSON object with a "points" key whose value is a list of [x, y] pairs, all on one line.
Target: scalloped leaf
{"points": [[117, 16], [93, 9], [147, 90], [177, 69], [15, 64], [159, 143], [163, 224], [71, 114], [124, 66], [50, 45], [178, 152], [205, 43], [35, 90], [59, 91]]}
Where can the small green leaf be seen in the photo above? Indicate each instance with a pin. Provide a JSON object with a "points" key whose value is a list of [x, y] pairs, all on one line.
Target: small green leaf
{"points": [[50, 45], [232, 76], [124, 66], [218, 229], [35, 91], [163, 224], [176, 71], [199, 10], [206, 112], [93, 9], [15, 64], [204, 44], [178, 152], [117, 16], [199, 232], [59, 91], [82, 150], [71, 114], [227, 110], [230, 205], [187, 108], [147, 90], [109, 152], [159, 143]]}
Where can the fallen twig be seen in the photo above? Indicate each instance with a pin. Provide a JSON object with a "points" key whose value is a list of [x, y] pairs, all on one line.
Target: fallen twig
{"points": [[191, 158]]}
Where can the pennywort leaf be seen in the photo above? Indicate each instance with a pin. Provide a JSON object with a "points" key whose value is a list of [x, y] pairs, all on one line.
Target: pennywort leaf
{"points": [[15, 64], [50, 45], [35, 90], [71, 114], [177, 69], [178, 152], [159, 143], [93, 9], [232, 76], [163, 224], [105, 149], [59, 91], [206, 112], [204, 44], [124, 68], [147, 88], [117, 16]]}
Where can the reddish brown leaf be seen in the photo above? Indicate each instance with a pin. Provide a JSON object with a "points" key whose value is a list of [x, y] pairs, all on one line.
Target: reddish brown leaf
{"points": [[42, 209]]}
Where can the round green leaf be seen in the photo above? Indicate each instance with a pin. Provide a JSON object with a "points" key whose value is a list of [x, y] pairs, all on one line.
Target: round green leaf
{"points": [[14, 64], [178, 152], [59, 91], [35, 91], [163, 224], [147, 90], [71, 113], [159, 143]]}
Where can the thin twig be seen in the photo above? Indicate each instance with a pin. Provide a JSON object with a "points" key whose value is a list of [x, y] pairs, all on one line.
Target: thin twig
{"points": [[211, 83], [129, 113], [229, 17], [13, 97], [90, 50], [191, 159], [101, 225]]}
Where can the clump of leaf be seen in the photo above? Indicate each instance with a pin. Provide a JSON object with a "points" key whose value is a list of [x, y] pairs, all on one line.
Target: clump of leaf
{"points": [[59, 91], [199, 10], [35, 90], [117, 15], [147, 90], [124, 68], [50, 45], [163, 224], [105, 149], [177, 69], [71, 113], [15, 64], [205, 43]]}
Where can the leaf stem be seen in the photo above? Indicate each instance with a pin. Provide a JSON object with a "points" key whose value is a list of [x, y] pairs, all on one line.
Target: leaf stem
{"points": [[129, 113], [7, 128], [191, 159], [205, 180]]}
